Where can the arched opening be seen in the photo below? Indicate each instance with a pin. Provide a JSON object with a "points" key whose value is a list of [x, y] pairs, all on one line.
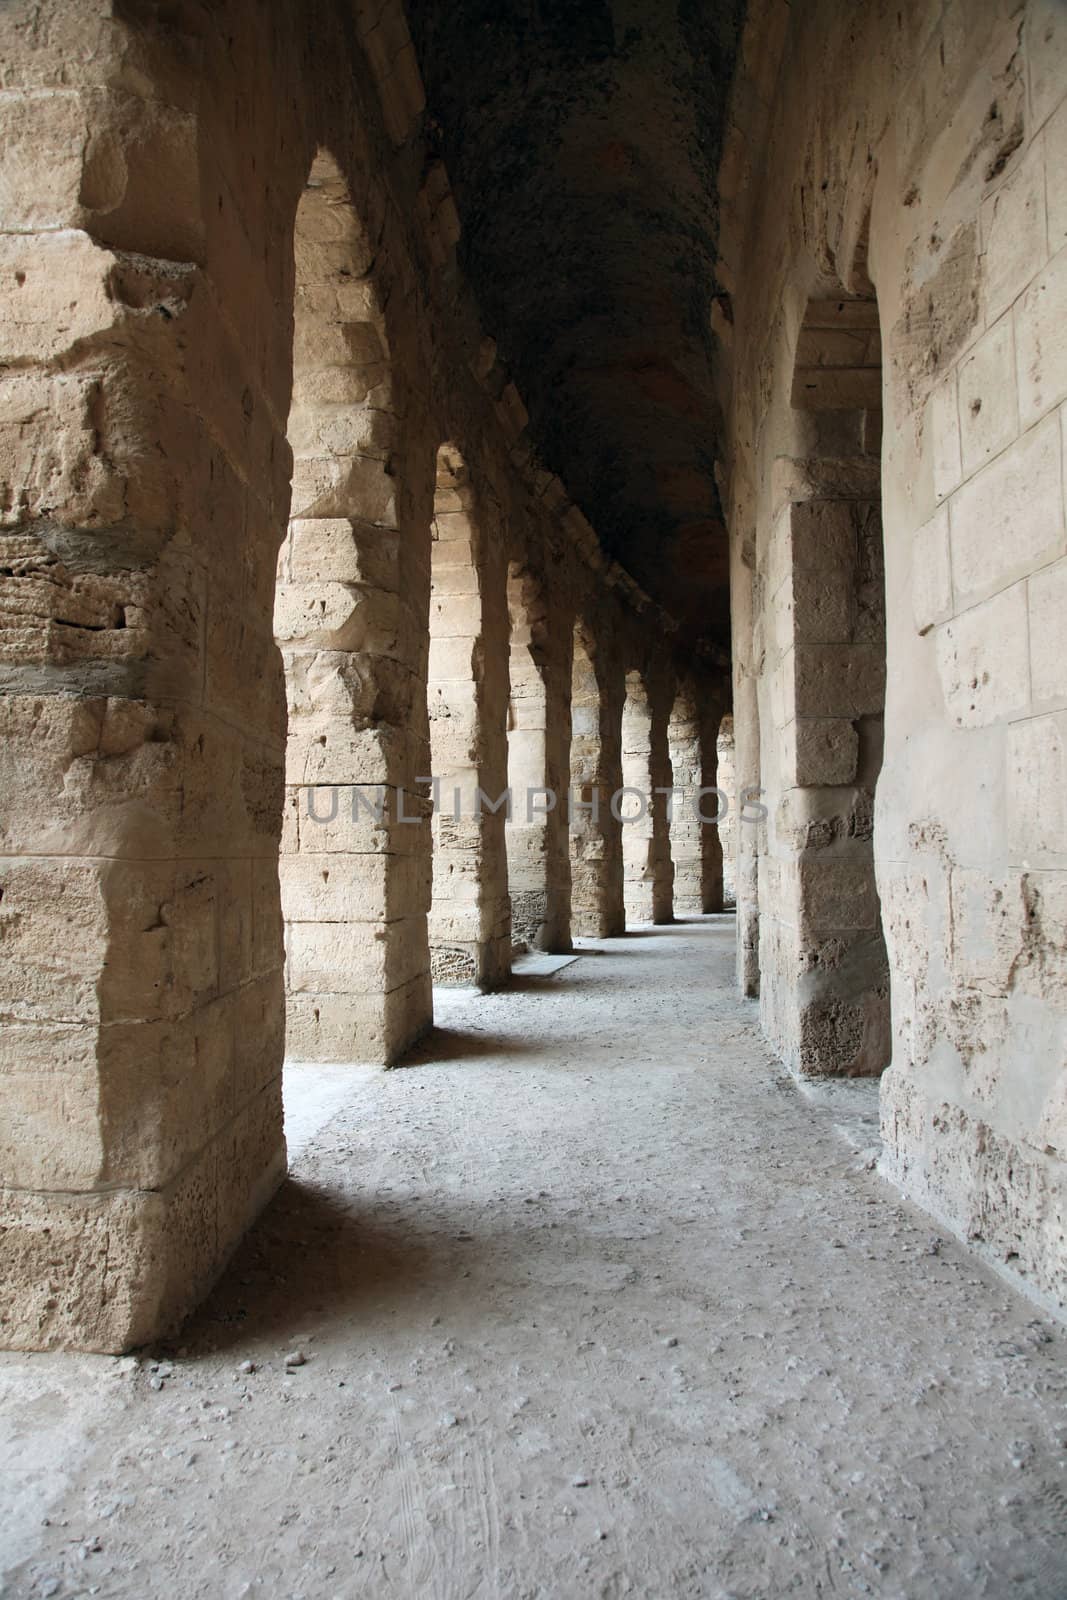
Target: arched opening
{"points": [[335, 623], [596, 773], [469, 926], [825, 987], [636, 804]]}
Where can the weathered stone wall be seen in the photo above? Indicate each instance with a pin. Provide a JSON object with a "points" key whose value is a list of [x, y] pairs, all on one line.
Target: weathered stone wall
{"points": [[154, 164], [912, 157]]}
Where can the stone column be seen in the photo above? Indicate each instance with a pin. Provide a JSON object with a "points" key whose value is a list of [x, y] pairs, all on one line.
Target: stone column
{"points": [[749, 836], [351, 616], [661, 864], [143, 710], [636, 808], [596, 775], [689, 852], [538, 770], [469, 920], [727, 782]]}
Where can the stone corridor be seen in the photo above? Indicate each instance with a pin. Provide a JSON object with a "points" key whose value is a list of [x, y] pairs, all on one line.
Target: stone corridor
{"points": [[594, 1301]]}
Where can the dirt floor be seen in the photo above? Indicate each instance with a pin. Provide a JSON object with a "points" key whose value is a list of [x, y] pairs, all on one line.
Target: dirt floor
{"points": [[593, 1302]]}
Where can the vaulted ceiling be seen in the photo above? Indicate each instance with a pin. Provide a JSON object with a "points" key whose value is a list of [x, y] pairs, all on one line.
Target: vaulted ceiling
{"points": [[582, 138]]}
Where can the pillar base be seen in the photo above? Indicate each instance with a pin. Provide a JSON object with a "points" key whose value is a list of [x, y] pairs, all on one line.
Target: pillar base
{"points": [[107, 1272], [1002, 1196], [358, 1027]]}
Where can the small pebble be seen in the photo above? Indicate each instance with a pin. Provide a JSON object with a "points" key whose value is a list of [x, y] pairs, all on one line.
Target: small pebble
{"points": [[247, 1367], [580, 1482], [295, 1358], [671, 1342]]}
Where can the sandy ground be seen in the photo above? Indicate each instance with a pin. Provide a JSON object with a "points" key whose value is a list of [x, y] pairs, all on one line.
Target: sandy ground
{"points": [[593, 1303]]}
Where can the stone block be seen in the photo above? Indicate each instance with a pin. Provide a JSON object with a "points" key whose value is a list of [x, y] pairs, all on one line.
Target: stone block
{"points": [[837, 895], [822, 750], [931, 572], [342, 550], [1056, 179], [336, 889], [51, 1134], [1008, 519], [943, 423], [42, 144], [1014, 233], [817, 607], [1047, 595], [988, 402], [372, 1027], [1041, 338], [822, 536], [354, 957], [983, 661], [452, 660], [259, 1033], [351, 486], [838, 680], [1037, 790], [1045, 37], [454, 616], [267, 953], [337, 616], [62, 295]]}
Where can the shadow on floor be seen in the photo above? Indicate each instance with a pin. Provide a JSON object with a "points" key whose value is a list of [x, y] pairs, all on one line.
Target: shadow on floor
{"points": [[457, 1044], [311, 1256]]}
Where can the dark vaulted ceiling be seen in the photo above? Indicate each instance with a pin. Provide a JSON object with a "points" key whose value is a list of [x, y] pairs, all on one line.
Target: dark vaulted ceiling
{"points": [[582, 141]]}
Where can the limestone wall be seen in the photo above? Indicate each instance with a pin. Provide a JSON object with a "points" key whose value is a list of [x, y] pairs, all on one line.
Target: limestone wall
{"points": [[187, 484], [909, 160]]}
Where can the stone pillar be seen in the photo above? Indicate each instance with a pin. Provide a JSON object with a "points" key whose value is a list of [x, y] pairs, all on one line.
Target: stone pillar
{"points": [[825, 658], [143, 710], [351, 626], [557, 931], [637, 808], [661, 863], [695, 847], [596, 775], [727, 782], [750, 837], [683, 740], [538, 771], [470, 933]]}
